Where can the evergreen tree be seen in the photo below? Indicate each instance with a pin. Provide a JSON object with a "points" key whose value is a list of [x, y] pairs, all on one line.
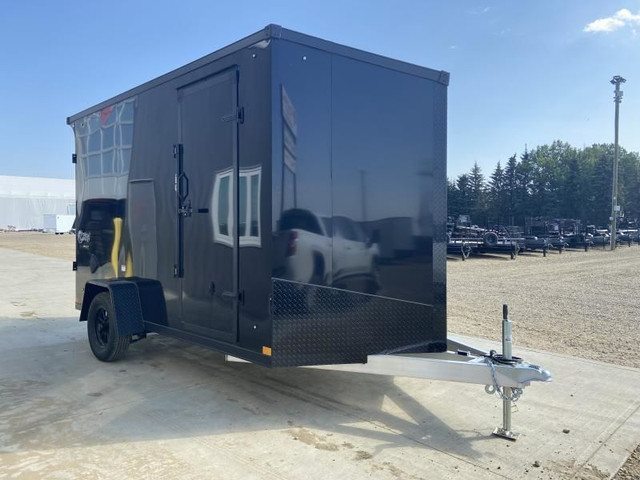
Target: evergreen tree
{"points": [[524, 186], [478, 195], [497, 195], [510, 184], [551, 181], [463, 185]]}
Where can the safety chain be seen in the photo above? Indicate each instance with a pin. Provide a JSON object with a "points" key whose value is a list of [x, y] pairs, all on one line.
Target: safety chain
{"points": [[517, 392]]}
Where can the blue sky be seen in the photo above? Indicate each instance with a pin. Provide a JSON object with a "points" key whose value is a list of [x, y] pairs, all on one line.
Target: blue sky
{"points": [[526, 72]]}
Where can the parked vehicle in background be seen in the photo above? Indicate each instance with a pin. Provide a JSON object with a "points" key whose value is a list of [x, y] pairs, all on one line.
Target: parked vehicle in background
{"points": [[579, 240], [58, 224], [462, 228]]}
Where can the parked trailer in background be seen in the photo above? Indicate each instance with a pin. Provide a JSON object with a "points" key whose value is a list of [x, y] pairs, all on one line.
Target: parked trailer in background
{"points": [[233, 203], [58, 224]]}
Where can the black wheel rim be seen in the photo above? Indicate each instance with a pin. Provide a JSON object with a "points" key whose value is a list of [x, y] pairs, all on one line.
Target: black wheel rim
{"points": [[102, 327]]}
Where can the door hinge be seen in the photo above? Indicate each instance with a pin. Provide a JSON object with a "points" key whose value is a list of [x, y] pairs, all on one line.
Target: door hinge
{"points": [[238, 116], [74, 158], [74, 266], [241, 297]]}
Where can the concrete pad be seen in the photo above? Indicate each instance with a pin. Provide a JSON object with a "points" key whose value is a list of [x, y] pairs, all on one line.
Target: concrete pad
{"points": [[173, 410]]}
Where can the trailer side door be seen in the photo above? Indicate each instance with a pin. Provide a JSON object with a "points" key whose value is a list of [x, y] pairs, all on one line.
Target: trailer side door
{"points": [[206, 190]]}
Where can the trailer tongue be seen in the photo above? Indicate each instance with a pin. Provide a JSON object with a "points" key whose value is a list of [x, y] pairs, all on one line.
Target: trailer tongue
{"points": [[502, 374]]}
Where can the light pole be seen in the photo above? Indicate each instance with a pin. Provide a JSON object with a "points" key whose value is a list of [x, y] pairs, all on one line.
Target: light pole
{"points": [[617, 98]]}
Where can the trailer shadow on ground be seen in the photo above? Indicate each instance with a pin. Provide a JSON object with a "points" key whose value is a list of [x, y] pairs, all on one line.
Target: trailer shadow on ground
{"points": [[172, 406], [59, 396]]}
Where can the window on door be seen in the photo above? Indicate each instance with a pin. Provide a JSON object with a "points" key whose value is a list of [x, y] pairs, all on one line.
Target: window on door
{"points": [[248, 207]]}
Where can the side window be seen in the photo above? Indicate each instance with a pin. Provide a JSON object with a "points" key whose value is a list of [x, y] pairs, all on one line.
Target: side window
{"points": [[222, 208], [249, 207]]}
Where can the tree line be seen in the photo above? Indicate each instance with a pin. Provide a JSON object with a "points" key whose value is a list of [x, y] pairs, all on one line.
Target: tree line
{"points": [[550, 181]]}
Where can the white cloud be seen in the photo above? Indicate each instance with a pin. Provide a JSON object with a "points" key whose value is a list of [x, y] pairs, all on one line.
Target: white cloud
{"points": [[620, 19], [479, 11]]}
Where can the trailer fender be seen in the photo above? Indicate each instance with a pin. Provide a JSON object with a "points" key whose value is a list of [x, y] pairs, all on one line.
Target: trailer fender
{"points": [[134, 301]]}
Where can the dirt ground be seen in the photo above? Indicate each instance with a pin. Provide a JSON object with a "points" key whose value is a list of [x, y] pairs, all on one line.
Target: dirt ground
{"points": [[47, 244], [575, 303]]}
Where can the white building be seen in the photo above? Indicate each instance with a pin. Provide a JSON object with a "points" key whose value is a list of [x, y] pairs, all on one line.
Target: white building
{"points": [[25, 200]]}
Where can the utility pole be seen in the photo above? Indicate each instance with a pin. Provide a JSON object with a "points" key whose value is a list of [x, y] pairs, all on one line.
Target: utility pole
{"points": [[615, 208]]}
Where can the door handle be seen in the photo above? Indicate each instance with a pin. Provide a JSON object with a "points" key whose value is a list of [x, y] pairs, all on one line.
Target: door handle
{"points": [[185, 190]]}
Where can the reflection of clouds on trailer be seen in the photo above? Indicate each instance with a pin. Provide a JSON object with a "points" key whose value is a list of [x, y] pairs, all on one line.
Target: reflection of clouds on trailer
{"points": [[103, 143], [103, 146], [248, 207]]}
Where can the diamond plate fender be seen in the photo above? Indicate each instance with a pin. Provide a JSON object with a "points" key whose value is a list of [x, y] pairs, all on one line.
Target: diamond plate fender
{"points": [[134, 299]]}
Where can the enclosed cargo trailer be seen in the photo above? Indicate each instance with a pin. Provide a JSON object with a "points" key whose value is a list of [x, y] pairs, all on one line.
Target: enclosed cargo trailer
{"points": [[237, 190], [281, 200], [58, 224]]}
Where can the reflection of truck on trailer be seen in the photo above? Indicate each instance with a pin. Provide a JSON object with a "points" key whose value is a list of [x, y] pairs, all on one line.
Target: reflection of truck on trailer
{"points": [[186, 183]]}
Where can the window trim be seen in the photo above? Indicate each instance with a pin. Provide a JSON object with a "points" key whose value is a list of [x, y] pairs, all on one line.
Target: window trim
{"points": [[246, 239], [219, 237]]}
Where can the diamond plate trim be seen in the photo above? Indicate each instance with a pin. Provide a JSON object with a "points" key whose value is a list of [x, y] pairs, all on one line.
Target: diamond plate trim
{"points": [[315, 325]]}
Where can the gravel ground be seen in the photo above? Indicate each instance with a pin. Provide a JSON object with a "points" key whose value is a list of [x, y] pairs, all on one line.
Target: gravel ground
{"points": [[631, 469], [47, 244], [576, 303]]}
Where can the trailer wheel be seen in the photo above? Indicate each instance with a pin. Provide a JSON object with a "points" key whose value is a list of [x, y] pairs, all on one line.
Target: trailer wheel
{"points": [[104, 340], [490, 239]]}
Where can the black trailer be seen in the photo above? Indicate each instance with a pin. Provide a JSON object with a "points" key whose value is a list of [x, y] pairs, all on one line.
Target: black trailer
{"points": [[282, 200], [231, 203]]}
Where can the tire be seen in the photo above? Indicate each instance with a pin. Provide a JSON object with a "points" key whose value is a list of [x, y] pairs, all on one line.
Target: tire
{"points": [[105, 343], [490, 239]]}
